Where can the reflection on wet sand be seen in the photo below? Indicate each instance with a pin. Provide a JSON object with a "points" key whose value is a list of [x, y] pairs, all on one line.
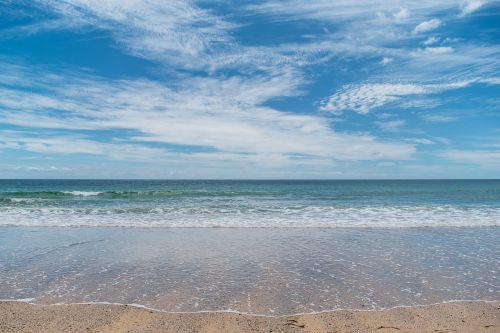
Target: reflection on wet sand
{"points": [[257, 271]]}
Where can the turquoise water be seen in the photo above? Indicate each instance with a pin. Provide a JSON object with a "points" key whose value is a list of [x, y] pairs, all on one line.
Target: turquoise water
{"points": [[363, 203]]}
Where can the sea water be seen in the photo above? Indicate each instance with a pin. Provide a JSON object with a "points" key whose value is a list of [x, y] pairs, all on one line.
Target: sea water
{"points": [[261, 247], [363, 203]]}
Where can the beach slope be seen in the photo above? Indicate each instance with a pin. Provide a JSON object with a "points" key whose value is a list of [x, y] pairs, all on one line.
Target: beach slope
{"points": [[447, 317]]}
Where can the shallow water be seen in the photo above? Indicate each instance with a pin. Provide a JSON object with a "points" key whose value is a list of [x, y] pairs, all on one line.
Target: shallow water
{"points": [[269, 271]]}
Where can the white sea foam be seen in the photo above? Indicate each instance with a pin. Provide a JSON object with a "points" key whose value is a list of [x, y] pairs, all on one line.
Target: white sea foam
{"points": [[149, 308], [258, 217], [23, 200], [83, 193]]}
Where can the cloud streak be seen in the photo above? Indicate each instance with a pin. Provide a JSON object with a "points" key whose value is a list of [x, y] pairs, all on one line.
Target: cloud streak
{"points": [[161, 30], [471, 6], [225, 115], [364, 98], [427, 26], [177, 34], [485, 158]]}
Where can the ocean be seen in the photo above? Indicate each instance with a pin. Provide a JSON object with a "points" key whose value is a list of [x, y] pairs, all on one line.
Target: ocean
{"points": [[258, 247], [193, 203]]}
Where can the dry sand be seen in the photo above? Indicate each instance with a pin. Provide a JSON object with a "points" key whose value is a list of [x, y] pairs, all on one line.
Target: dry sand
{"points": [[448, 317]]}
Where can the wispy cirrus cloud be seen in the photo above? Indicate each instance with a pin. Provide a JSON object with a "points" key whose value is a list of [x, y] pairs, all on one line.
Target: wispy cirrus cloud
{"points": [[439, 118], [485, 158], [343, 10], [225, 115], [181, 33], [78, 144], [391, 125], [172, 33], [471, 6], [427, 71], [161, 30], [431, 40], [362, 28], [364, 98], [427, 26], [447, 64], [437, 50], [389, 30]]}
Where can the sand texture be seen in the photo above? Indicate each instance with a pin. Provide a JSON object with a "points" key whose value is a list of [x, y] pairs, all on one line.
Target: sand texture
{"points": [[448, 317]]}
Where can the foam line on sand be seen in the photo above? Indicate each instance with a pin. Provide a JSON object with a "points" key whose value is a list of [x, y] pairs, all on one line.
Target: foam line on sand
{"points": [[445, 317]]}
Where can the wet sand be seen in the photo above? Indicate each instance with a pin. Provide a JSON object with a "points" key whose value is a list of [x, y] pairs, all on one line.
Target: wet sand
{"points": [[446, 317], [257, 271]]}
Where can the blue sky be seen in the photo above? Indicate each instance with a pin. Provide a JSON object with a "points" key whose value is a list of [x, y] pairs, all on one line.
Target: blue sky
{"points": [[249, 89]]}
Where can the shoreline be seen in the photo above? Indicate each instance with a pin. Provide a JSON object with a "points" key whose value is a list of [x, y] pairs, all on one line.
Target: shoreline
{"points": [[456, 316], [31, 301]]}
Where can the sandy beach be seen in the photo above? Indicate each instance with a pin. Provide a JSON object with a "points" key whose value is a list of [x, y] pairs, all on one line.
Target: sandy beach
{"points": [[446, 317]]}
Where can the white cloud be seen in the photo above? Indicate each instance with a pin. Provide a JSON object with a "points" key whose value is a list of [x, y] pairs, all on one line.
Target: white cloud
{"points": [[390, 126], [345, 10], [422, 141], [486, 158], [368, 27], [438, 50], [491, 80], [437, 118], [365, 97], [175, 33], [419, 102], [471, 6], [72, 144], [153, 29], [182, 34], [427, 26], [227, 115], [467, 61], [431, 40], [386, 60], [402, 14]]}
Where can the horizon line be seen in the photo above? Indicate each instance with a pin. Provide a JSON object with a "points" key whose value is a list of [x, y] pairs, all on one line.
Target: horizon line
{"points": [[247, 179]]}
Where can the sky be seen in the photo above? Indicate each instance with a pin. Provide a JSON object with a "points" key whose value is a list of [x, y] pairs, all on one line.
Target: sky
{"points": [[249, 89]]}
